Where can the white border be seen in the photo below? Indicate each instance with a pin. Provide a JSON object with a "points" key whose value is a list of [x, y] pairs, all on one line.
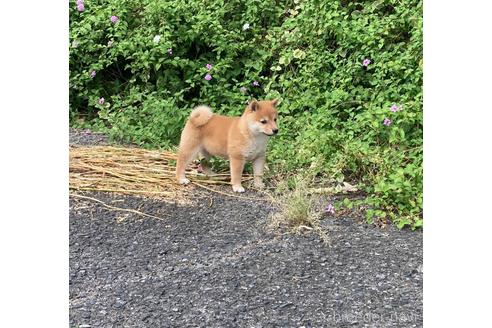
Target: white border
{"points": [[34, 164], [457, 163]]}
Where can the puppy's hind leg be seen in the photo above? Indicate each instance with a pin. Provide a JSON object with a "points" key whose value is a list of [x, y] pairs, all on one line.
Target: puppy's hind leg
{"points": [[188, 150], [184, 159]]}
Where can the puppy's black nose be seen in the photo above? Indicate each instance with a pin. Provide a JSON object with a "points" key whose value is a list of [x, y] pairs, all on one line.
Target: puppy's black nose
{"points": [[275, 131]]}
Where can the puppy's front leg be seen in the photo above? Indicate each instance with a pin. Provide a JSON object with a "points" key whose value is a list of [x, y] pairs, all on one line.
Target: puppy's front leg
{"points": [[237, 166], [258, 165]]}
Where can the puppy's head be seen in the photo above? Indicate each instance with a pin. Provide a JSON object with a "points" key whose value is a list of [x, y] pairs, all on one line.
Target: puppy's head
{"points": [[262, 117]]}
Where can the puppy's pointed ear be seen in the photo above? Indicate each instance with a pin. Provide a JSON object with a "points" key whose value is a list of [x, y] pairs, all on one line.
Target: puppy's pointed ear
{"points": [[275, 102], [253, 105]]}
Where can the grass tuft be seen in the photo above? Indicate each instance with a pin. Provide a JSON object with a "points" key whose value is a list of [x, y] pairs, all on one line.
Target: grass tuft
{"points": [[297, 211]]}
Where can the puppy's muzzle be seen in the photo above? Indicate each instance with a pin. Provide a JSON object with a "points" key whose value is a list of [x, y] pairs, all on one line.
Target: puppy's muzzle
{"points": [[274, 132]]}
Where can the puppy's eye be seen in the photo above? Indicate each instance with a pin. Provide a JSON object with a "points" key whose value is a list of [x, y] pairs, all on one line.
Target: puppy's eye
{"points": [[263, 121], [275, 119]]}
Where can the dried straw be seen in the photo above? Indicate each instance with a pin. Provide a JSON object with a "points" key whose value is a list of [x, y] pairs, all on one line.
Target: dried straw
{"points": [[132, 171], [114, 208]]}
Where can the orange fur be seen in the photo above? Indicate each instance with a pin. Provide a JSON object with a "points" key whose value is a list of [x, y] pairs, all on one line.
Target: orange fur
{"points": [[238, 139]]}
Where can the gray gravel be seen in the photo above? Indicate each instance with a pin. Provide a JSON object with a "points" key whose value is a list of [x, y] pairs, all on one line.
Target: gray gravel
{"points": [[214, 263], [87, 137]]}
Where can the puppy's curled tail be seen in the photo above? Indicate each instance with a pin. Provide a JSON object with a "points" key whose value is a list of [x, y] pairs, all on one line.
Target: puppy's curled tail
{"points": [[200, 116]]}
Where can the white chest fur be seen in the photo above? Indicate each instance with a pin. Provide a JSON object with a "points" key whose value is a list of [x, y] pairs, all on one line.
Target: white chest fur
{"points": [[256, 147]]}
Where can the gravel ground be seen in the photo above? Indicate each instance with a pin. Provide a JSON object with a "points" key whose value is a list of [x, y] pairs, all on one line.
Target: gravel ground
{"points": [[214, 263], [86, 137]]}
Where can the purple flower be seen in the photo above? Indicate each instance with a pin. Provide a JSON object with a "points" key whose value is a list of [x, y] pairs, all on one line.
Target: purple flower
{"points": [[79, 2], [101, 101], [114, 19], [394, 108], [366, 62], [93, 74], [256, 83], [170, 51], [387, 122], [243, 90], [80, 6], [330, 209], [208, 66], [208, 77]]}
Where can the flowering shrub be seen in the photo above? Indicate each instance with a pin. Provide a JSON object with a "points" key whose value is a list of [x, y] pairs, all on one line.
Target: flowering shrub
{"points": [[349, 74]]}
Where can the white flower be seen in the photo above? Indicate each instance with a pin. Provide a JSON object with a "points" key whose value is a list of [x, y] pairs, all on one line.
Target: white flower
{"points": [[246, 27], [110, 43], [299, 54], [75, 44], [157, 38]]}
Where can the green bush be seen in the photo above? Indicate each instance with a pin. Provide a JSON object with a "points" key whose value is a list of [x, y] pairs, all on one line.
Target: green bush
{"points": [[150, 68]]}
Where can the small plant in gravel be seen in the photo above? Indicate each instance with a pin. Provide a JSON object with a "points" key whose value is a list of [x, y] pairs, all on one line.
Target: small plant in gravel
{"points": [[297, 211]]}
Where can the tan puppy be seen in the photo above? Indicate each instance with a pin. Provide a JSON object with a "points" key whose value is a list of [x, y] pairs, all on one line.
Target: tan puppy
{"points": [[238, 139]]}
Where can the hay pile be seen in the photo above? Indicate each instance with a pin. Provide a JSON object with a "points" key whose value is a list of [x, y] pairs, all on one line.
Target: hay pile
{"points": [[131, 171]]}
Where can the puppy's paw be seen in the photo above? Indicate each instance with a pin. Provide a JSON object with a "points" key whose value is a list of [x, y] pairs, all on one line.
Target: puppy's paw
{"points": [[238, 188], [183, 181], [259, 184]]}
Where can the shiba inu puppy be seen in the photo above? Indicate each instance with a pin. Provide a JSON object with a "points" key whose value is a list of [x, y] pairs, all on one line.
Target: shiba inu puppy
{"points": [[238, 139]]}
